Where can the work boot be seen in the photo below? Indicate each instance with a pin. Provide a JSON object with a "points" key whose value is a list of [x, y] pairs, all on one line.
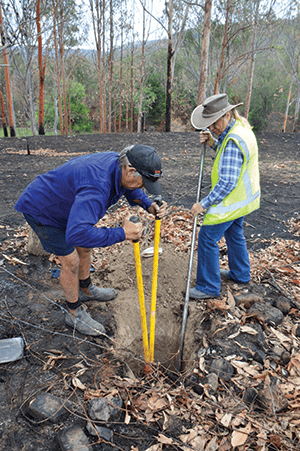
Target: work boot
{"points": [[98, 294], [225, 274], [83, 323], [197, 294]]}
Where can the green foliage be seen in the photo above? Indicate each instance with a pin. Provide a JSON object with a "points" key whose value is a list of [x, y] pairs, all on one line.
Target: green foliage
{"points": [[80, 121], [155, 93]]}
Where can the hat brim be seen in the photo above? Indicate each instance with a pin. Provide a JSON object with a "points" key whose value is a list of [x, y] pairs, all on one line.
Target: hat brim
{"points": [[152, 186], [199, 122]]}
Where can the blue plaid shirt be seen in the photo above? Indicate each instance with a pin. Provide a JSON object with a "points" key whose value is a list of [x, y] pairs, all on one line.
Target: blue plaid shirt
{"points": [[229, 172]]}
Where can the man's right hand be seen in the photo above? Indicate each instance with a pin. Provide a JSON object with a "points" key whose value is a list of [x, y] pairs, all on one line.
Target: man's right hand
{"points": [[133, 231], [205, 135]]}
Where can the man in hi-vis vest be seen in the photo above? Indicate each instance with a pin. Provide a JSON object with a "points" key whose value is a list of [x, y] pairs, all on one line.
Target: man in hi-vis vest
{"points": [[235, 193]]}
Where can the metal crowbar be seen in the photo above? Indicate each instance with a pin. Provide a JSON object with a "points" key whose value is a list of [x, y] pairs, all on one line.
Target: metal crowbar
{"points": [[186, 302]]}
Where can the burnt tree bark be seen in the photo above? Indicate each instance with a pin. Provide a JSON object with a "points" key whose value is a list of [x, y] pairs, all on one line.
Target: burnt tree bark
{"points": [[7, 80], [42, 69]]}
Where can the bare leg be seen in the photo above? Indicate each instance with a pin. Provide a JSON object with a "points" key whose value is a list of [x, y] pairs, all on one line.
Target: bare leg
{"points": [[85, 258], [69, 277], [74, 266]]}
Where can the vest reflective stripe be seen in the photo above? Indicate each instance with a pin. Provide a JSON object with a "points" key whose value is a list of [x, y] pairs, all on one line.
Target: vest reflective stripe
{"points": [[237, 205], [246, 196]]}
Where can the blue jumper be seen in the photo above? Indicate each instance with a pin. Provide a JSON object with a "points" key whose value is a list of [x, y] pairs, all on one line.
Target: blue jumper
{"points": [[76, 195]]}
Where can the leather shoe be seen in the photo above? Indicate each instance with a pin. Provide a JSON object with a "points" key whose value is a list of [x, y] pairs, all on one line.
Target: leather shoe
{"points": [[197, 294]]}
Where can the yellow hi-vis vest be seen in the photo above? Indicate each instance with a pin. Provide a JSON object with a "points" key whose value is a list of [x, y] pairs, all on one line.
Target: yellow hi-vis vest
{"points": [[245, 197]]}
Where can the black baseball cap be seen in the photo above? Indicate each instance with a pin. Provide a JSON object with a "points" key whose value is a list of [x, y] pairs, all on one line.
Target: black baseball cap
{"points": [[147, 162]]}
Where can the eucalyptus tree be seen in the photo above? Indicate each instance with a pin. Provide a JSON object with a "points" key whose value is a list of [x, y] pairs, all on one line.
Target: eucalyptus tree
{"points": [[7, 84], [23, 14], [288, 52]]}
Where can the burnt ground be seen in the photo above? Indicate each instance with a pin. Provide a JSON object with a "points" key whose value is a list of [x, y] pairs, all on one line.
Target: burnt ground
{"points": [[31, 300]]}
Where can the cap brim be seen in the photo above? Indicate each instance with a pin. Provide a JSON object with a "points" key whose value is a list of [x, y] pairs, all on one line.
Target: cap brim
{"points": [[152, 186], [199, 122]]}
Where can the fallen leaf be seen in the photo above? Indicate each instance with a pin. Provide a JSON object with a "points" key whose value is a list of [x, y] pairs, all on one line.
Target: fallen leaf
{"points": [[78, 384], [239, 437]]}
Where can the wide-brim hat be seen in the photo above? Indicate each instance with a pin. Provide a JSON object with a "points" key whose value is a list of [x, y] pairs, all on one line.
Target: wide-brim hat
{"points": [[211, 110], [147, 162]]}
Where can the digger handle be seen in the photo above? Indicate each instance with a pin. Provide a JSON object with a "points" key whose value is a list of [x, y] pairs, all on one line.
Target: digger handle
{"points": [[158, 202], [135, 220]]}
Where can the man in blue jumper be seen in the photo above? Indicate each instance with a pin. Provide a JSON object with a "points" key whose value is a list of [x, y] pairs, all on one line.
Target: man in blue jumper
{"points": [[63, 205]]}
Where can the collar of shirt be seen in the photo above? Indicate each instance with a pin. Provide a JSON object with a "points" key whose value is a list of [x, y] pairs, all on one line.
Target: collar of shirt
{"points": [[229, 127]]}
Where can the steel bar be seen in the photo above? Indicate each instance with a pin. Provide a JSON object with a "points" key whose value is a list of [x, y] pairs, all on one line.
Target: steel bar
{"points": [[186, 302]]}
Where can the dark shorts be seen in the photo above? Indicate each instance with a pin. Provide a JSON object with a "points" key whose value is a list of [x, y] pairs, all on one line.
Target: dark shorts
{"points": [[53, 239]]}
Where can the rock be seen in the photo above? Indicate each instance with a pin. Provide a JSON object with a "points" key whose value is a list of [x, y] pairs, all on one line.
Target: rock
{"points": [[46, 407], [212, 382], [285, 358], [297, 331], [266, 313], [11, 349], [243, 341], [96, 430], [34, 245], [222, 369], [106, 409], [259, 356], [282, 304], [247, 299], [250, 395], [74, 438], [193, 382], [270, 397]]}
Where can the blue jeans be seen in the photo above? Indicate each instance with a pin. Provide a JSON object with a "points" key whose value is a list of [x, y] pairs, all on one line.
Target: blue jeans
{"points": [[208, 270]]}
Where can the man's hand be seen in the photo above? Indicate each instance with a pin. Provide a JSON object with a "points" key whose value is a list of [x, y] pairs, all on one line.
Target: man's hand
{"points": [[196, 209], [133, 231], [206, 136], [154, 209]]}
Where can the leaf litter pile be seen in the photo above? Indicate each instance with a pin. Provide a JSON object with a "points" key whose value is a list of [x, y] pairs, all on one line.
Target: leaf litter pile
{"points": [[247, 400]]}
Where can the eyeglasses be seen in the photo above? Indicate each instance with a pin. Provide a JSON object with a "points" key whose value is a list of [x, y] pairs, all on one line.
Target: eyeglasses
{"points": [[157, 175]]}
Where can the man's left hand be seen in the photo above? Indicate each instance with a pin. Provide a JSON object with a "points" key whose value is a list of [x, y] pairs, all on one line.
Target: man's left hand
{"points": [[155, 210], [197, 209]]}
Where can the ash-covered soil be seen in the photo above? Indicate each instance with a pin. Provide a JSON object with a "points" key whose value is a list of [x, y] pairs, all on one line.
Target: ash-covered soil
{"points": [[31, 303]]}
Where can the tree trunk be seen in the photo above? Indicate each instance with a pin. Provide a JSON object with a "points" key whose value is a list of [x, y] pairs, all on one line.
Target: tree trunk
{"points": [[110, 64], [55, 109], [30, 93], [126, 93], [131, 83], [96, 18], [204, 53], [288, 104], [42, 69], [3, 116], [120, 81], [297, 107], [62, 65], [7, 80], [252, 63], [61, 124], [103, 66], [169, 69], [142, 74], [69, 111], [224, 44]]}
